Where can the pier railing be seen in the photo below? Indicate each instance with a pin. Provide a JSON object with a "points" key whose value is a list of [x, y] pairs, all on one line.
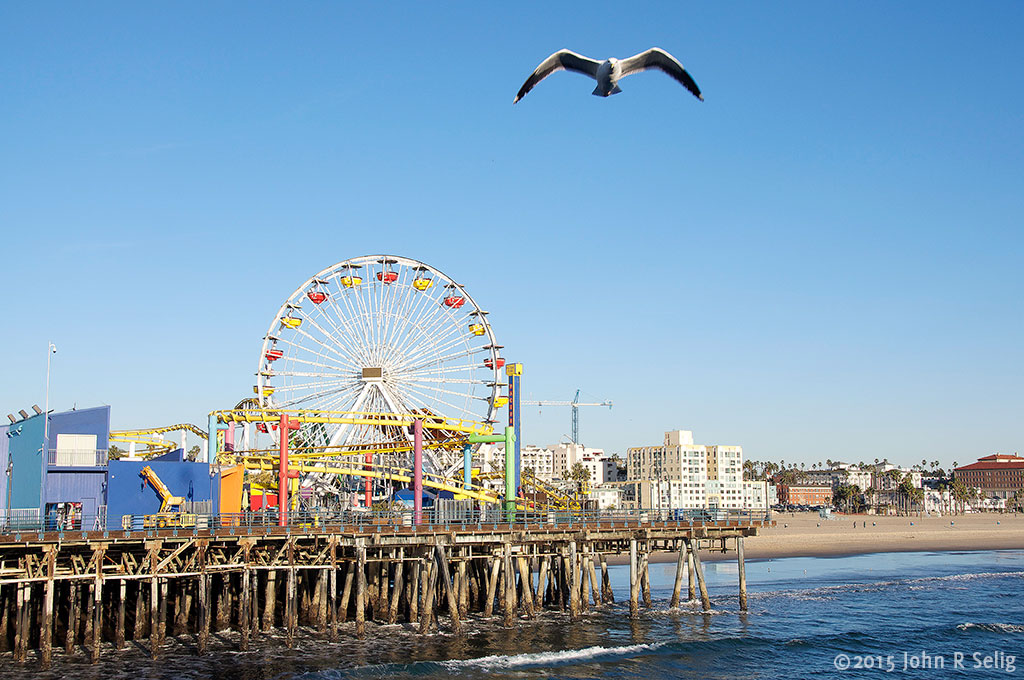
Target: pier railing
{"points": [[376, 521]]}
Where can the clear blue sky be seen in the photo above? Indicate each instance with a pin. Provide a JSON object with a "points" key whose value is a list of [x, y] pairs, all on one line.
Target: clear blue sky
{"points": [[823, 260]]}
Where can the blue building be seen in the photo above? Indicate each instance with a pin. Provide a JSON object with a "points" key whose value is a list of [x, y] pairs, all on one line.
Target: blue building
{"points": [[59, 475], [63, 478], [130, 494]]}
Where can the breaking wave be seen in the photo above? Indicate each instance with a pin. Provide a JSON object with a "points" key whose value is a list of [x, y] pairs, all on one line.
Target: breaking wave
{"points": [[551, 658]]}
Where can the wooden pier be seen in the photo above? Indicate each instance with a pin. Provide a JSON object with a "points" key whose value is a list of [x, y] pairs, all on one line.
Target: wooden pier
{"points": [[88, 591]]}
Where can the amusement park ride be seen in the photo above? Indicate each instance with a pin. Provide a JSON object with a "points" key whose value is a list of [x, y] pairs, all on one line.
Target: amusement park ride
{"points": [[380, 372]]}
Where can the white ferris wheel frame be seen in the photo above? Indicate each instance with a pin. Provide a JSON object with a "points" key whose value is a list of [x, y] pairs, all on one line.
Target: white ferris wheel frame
{"points": [[380, 347]]}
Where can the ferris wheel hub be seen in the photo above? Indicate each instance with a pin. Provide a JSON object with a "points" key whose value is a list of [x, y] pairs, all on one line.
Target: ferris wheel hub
{"points": [[373, 374]]}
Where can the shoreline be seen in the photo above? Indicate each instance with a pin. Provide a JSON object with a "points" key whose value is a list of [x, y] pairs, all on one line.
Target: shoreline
{"points": [[807, 535]]}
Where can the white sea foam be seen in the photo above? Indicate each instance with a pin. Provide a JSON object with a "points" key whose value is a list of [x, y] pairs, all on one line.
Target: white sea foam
{"points": [[550, 658], [825, 592], [993, 627]]}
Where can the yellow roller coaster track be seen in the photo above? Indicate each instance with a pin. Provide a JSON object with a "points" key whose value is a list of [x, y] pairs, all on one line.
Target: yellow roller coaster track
{"points": [[130, 434], [381, 472], [430, 421], [154, 446], [327, 453]]}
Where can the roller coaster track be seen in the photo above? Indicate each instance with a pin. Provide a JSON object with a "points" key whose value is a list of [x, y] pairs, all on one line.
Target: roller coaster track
{"points": [[154, 446], [381, 472], [430, 421]]}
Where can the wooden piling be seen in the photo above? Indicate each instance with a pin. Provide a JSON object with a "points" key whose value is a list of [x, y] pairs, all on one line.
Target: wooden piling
{"points": [[121, 604], [463, 589], [446, 580], [332, 588], [427, 606], [139, 628], [346, 591], [46, 631], [244, 615], [742, 573], [154, 605], [645, 578], [269, 600], [526, 586], [510, 588], [584, 581], [360, 590], [677, 586], [414, 591], [19, 624], [395, 599], [606, 584], [634, 582], [573, 573], [380, 612], [290, 603], [203, 601], [320, 601], [542, 577], [705, 601], [595, 592], [691, 573], [492, 587], [162, 620]]}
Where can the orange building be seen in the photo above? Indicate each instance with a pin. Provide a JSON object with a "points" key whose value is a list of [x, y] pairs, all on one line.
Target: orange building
{"points": [[805, 494]]}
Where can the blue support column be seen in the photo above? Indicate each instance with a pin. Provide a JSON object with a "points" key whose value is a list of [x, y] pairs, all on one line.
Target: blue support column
{"points": [[467, 466], [211, 440]]}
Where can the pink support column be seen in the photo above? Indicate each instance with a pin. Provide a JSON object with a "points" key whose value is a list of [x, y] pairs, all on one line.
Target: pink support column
{"points": [[282, 473], [368, 484], [417, 471]]}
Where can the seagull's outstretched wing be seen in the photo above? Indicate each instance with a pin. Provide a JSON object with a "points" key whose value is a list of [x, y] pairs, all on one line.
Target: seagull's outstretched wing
{"points": [[663, 61], [562, 60]]}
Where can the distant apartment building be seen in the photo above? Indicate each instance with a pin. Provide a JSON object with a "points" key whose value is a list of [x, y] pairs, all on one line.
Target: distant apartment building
{"points": [[564, 456], [539, 460], [601, 470], [682, 474], [842, 474], [606, 497], [997, 476], [805, 494], [888, 477], [755, 494]]}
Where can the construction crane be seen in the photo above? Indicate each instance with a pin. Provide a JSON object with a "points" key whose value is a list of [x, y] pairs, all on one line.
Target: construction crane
{"points": [[170, 513], [575, 403]]}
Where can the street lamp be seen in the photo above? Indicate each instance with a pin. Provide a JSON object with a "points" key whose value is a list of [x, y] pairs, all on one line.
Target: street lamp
{"points": [[51, 350]]}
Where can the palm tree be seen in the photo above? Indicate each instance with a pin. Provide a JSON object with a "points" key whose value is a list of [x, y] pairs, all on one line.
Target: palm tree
{"points": [[1016, 501]]}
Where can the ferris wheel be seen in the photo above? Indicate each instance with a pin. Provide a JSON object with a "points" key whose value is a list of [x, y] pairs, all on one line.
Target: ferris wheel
{"points": [[380, 334]]}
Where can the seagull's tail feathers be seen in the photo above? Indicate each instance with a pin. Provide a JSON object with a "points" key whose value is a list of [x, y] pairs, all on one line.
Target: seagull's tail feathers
{"points": [[615, 90], [599, 91]]}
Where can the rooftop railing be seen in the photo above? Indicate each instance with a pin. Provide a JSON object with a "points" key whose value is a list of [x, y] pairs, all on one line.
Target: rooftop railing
{"points": [[77, 458]]}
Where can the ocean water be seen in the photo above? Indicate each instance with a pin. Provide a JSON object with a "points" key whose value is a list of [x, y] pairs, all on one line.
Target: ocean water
{"points": [[866, 616]]}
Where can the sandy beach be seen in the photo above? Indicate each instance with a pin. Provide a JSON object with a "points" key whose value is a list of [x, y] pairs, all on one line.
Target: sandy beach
{"points": [[807, 535]]}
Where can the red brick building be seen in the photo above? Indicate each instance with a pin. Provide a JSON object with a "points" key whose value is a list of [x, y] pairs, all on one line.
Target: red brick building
{"points": [[805, 494], [1000, 474]]}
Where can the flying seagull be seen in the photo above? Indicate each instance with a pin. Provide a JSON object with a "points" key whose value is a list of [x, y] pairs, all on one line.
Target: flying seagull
{"points": [[608, 72]]}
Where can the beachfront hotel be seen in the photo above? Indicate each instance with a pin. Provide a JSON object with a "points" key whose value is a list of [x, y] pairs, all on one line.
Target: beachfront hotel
{"points": [[682, 474], [997, 476]]}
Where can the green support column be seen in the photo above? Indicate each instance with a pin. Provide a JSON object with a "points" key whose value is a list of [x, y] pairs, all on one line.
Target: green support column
{"points": [[510, 473]]}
